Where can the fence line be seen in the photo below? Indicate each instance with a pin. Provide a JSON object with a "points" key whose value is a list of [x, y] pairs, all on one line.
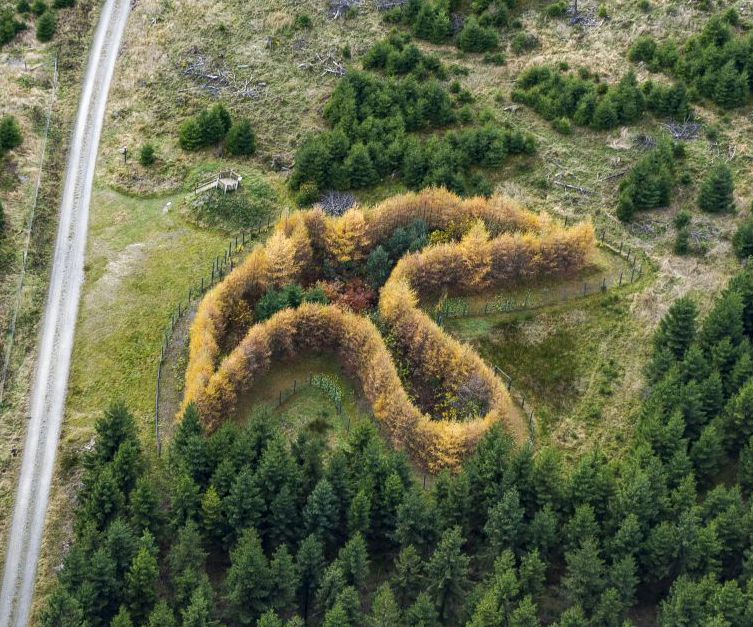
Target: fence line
{"points": [[460, 308], [30, 224], [221, 266]]}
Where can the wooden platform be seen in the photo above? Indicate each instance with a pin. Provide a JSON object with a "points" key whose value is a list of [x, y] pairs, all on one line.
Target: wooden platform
{"points": [[226, 180]]}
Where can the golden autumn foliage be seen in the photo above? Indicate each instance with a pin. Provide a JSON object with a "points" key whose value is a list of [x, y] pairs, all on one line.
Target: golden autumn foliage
{"points": [[522, 245]]}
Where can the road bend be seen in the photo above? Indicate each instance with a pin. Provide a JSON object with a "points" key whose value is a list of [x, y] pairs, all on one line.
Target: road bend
{"points": [[58, 325]]}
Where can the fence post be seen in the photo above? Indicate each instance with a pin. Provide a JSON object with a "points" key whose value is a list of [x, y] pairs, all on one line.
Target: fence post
{"points": [[632, 274], [620, 248], [295, 383], [604, 284], [640, 270], [603, 234], [584, 288], [620, 279], [280, 403]]}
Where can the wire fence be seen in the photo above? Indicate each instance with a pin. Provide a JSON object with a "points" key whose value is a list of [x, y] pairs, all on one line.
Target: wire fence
{"points": [[27, 243], [461, 307], [221, 266]]}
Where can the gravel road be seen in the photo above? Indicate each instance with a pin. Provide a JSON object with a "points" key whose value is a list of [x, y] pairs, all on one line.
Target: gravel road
{"points": [[56, 338]]}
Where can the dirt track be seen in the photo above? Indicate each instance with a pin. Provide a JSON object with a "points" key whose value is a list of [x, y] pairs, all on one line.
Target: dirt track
{"points": [[56, 338]]}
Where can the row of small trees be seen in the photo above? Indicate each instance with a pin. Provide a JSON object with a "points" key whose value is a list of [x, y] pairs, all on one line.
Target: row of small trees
{"points": [[212, 126]]}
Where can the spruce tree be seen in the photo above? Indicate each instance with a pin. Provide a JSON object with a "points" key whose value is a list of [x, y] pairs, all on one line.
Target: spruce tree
{"points": [[46, 26], [241, 140], [141, 585], [447, 573], [310, 562], [360, 169], [677, 328], [384, 609], [423, 613], [247, 585], [320, 513], [191, 137], [504, 525], [408, 576], [584, 579], [244, 505], [122, 618], [62, 610], [283, 577], [716, 195], [10, 134], [731, 88], [355, 560], [161, 616], [742, 240]]}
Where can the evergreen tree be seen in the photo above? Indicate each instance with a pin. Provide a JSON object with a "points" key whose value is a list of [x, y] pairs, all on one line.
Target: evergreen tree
{"points": [[504, 526], [532, 575], [355, 560], [46, 26], [141, 585], [105, 500], [283, 577], [212, 522], [310, 561], [742, 240], [384, 610], [359, 513], [416, 521], [143, 506], [717, 188], [122, 618], [605, 115], [115, 427], [241, 140], [423, 613], [677, 328], [731, 88], [10, 134], [161, 616], [146, 155], [320, 513], [247, 585], [408, 576], [360, 169], [186, 562], [269, 619], [447, 573], [199, 612], [378, 267], [244, 505], [584, 580], [191, 137], [524, 615], [62, 610], [336, 617]]}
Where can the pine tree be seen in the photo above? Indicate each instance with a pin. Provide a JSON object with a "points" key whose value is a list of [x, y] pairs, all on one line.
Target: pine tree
{"points": [[524, 615], [717, 189], [355, 560], [677, 328], [146, 155], [408, 576], [532, 574], [161, 616], [212, 522], [46, 26], [320, 513], [423, 613], [10, 134], [141, 584], [310, 561], [605, 115], [543, 530], [113, 428], [269, 619], [143, 506], [247, 585], [186, 562], [742, 240], [447, 573], [336, 617], [745, 467], [185, 500], [581, 526], [62, 610], [280, 523], [503, 529], [105, 500], [244, 505], [731, 88], [332, 584], [283, 577], [191, 137], [359, 513], [384, 610], [122, 618], [199, 612], [241, 140], [584, 580], [416, 521], [360, 169]]}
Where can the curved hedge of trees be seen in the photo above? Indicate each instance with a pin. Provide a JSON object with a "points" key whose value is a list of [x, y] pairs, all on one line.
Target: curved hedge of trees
{"points": [[294, 252]]}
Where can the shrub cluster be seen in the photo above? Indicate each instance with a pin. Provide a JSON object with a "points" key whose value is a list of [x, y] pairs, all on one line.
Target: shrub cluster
{"points": [[214, 125], [290, 296], [9, 27], [554, 95], [372, 121], [397, 56], [716, 63], [649, 183]]}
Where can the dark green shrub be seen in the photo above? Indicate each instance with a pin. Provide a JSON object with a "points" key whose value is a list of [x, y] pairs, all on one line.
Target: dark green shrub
{"points": [[681, 220], [476, 38], [742, 240], [23, 6], [46, 26], [10, 134], [302, 21], [241, 140], [643, 49], [681, 243], [63, 4], [523, 42], [496, 58], [562, 125], [39, 7], [308, 194], [556, 9], [716, 195], [190, 135], [649, 183], [146, 155]]}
